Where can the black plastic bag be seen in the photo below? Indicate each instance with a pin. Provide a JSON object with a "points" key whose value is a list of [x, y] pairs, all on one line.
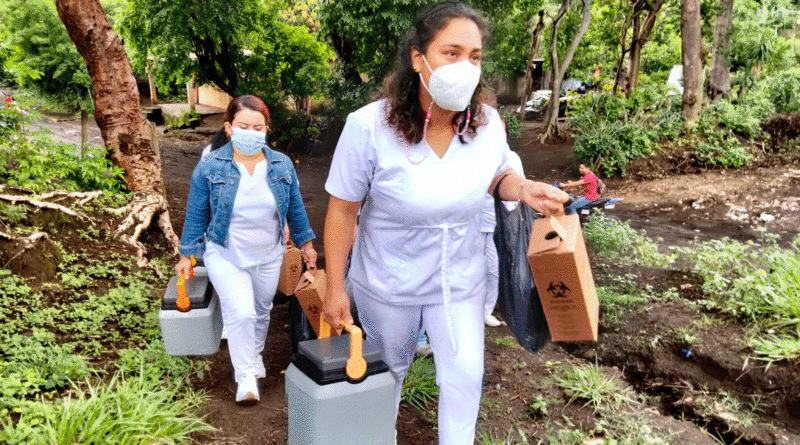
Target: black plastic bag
{"points": [[518, 297]]}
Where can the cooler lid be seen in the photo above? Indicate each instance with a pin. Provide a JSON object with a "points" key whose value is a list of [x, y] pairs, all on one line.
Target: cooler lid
{"points": [[198, 290], [324, 359]]}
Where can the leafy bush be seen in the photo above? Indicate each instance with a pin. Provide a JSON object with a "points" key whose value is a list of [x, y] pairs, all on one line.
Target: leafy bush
{"points": [[183, 121], [783, 90], [42, 164], [756, 283], [743, 118], [612, 238], [513, 127], [722, 150], [612, 130]]}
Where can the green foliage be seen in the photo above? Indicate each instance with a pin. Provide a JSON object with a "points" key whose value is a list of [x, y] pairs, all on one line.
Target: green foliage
{"points": [[755, 43], [41, 56], [722, 149], [243, 47], [506, 341], [612, 238], [587, 383], [513, 127], [511, 31], [783, 90], [755, 282], [13, 214], [120, 412], [419, 387], [11, 122], [743, 117], [183, 121], [612, 130], [43, 164]]}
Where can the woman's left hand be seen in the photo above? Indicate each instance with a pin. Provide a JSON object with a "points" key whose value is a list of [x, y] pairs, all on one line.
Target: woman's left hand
{"points": [[309, 255], [542, 197]]}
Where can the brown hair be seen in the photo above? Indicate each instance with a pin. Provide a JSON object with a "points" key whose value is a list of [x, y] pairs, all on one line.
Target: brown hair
{"points": [[401, 89], [240, 103]]}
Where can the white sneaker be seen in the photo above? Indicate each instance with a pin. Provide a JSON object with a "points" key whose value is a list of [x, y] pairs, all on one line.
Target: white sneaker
{"points": [[261, 371], [247, 391], [493, 322], [424, 349]]}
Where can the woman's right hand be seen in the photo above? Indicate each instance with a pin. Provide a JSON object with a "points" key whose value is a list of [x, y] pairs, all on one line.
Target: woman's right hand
{"points": [[184, 267], [336, 307]]}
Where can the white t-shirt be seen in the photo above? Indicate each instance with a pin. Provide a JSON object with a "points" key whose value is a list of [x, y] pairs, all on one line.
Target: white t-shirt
{"points": [[488, 218], [252, 235], [419, 237]]}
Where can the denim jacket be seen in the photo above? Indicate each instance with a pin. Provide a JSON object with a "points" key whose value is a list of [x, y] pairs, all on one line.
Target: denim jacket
{"points": [[215, 181]]}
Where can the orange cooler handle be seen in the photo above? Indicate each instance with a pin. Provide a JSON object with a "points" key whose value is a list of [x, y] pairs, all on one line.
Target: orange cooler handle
{"points": [[356, 365]]}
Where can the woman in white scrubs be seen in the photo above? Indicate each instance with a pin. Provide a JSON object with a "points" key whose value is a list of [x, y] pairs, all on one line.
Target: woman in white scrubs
{"points": [[242, 196], [421, 160]]}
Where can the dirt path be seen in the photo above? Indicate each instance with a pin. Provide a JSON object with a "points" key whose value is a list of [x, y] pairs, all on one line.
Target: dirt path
{"points": [[677, 209]]}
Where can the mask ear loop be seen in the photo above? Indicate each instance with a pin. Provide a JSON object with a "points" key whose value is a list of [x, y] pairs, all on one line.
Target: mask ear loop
{"points": [[424, 135], [466, 124]]}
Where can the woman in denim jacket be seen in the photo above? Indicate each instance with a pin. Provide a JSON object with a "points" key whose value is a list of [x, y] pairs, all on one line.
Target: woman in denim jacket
{"points": [[242, 195]]}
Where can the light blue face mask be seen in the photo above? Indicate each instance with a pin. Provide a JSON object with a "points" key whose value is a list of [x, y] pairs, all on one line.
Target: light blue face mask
{"points": [[248, 142]]}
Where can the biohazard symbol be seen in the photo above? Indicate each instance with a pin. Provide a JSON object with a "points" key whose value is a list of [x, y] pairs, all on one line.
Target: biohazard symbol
{"points": [[314, 309], [559, 290]]}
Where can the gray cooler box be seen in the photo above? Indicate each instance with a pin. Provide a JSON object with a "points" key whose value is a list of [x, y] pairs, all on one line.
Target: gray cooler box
{"points": [[198, 331], [325, 408]]}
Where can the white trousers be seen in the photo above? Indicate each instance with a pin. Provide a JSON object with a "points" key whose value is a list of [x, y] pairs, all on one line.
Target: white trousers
{"points": [[493, 278], [458, 359], [245, 296]]}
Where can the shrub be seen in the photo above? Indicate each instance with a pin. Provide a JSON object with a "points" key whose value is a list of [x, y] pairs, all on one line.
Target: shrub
{"points": [[783, 90], [42, 164], [612, 238], [743, 118], [513, 127]]}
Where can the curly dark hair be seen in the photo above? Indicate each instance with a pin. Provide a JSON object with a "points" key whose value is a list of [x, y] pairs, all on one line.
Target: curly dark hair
{"points": [[401, 89], [240, 103]]}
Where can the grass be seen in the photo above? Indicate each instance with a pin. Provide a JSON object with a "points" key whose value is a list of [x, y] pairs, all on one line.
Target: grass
{"points": [[134, 411], [419, 387], [587, 383], [506, 341]]}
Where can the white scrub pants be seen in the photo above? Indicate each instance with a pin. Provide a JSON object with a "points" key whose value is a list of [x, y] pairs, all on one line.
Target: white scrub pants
{"points": [[245, 295], [493, 278], [458, 359]]}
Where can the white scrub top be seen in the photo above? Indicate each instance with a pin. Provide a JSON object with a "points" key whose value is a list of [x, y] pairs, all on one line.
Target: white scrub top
{"points": [[419, 231], [252, 235]]}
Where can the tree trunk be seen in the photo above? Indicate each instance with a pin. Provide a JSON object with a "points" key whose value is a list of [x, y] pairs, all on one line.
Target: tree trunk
{"points": [[692, 64], [84, 131], [345, 52], [526, 93], [644, 21], [129, 138], [560, 67], [719, 77]]}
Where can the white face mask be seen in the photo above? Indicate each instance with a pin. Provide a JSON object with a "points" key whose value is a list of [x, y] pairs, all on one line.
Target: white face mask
{"points": [[452, 86]]}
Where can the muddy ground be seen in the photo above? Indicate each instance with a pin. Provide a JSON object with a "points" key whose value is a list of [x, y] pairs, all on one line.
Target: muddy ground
{"points": [[673, 390]]}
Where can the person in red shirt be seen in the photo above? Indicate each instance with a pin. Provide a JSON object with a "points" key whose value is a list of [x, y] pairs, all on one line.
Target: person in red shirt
{"points": [[9, 101], [589, 183]]}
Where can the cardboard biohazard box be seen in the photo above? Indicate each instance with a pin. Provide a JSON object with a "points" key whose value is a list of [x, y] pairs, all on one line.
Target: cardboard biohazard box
{"points": [[291, 268], [309, 292], [560, 267]]}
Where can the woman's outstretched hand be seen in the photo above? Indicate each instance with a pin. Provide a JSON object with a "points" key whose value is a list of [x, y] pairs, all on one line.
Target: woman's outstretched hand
{"points": [[544, 198]]}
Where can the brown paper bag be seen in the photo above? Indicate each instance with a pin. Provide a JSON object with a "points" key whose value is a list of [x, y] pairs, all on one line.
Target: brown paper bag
{"points": [[309, 292], [560, 267], [291, 268]]}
